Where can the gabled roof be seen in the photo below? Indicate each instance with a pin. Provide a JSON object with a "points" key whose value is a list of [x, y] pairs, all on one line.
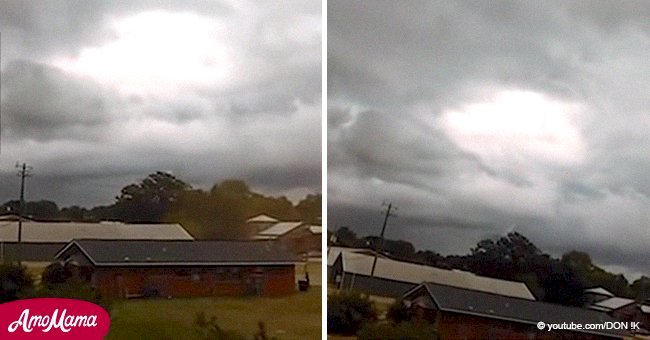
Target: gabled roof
{"points": [[472, 302], [186, 253], [599, 291], [63, 232], [280, 228], [261, 218], [611, 304], [361, 264]]}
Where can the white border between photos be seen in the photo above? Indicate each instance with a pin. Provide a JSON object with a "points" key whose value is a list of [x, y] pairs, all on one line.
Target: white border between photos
{"points": [[324, 167]]}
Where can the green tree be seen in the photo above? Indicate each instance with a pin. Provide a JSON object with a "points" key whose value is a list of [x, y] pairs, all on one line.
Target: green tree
{"points": [[310, 208], [149, 200]]}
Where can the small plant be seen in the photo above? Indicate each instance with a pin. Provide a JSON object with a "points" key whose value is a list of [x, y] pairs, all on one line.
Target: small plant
{"points": [[261, 333], [209, 329]]}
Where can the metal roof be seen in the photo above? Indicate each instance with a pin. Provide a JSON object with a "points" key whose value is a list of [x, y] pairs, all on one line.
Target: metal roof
{"points": [[334, 251], [361, 264], [612, 303], [265, 237], [599, 291], [261, 218], [466, 301], [280, 228], [64, 232], [157, 253]]}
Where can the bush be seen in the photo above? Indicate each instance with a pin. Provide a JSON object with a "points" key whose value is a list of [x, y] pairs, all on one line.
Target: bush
{"points": [[55, 273], [74, 289], [347, 311], [400, 331], [398, 312], [14, 282]]}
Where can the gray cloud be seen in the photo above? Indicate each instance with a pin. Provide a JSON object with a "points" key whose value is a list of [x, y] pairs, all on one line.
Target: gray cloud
{"points": [[41, 103], [398, 72], [87, 133]]}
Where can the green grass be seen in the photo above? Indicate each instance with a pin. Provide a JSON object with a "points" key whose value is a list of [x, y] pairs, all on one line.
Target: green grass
{"points": [[294, 317]]}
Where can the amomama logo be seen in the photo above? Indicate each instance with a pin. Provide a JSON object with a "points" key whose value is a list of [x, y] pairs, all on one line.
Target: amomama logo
{"points": [[53, 318]]}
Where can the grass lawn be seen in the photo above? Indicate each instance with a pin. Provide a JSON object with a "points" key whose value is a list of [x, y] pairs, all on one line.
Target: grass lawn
{"points": [[294, 317]]}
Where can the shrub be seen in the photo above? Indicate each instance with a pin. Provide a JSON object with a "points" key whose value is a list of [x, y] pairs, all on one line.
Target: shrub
{"points": [[347, 311], [14, 282], [398, 312], [55, 273], [74, 289], [400, 331]]}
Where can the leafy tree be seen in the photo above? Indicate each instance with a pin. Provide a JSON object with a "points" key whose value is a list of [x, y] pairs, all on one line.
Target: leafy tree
{"points": [[641, 288], [591, 275], [310, 208], [38, 210], [346, 237], [74, 213], [562, 286], [149, 200]]}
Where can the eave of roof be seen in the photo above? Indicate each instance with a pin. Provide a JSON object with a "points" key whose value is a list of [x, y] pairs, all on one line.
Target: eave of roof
{"points": [[157, 263]]}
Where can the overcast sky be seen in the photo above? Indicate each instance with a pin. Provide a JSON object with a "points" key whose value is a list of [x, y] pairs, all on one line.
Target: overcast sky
{"points": [[99, 94], [478, 118]]}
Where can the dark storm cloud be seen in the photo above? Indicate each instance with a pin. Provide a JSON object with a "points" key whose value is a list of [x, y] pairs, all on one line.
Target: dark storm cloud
{"points": [[42, 103], [398, 72], [89, 128]]}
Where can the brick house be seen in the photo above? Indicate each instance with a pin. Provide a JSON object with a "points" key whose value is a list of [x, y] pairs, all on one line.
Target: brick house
{"points": [[126, 268], [459, 313]]}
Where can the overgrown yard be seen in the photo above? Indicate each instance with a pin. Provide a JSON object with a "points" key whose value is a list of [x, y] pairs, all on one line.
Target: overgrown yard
{"points": [[294, 317]]}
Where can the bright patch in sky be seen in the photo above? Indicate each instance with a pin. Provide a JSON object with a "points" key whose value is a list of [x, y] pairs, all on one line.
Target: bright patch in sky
{"points": [[519, 124], [156, 53]]}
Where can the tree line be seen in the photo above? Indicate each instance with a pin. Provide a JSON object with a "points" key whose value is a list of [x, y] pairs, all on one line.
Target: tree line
{"points": [[220, 212], [514, 257]]}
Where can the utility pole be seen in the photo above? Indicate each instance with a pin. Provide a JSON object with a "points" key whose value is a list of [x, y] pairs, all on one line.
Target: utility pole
{"points": [[381, 236], [23, 171]]}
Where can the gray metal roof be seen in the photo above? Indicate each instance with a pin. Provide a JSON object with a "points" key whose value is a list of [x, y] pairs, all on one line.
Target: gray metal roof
{"points": [[261, 218], [599, 291], [361, 264], [151, 253], [280, 228], [612, 303], [49, 232], [465, 301]]}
